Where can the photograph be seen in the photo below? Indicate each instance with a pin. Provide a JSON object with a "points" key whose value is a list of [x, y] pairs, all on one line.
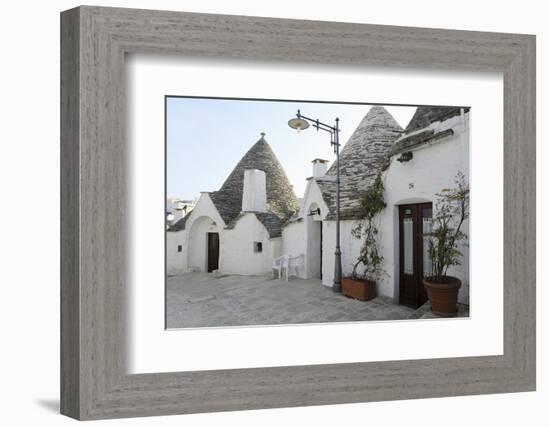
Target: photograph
{"points": [[282, 212]]}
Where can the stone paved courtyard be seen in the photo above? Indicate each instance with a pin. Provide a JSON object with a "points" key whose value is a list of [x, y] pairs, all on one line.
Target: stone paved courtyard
{"points": [[204, 300]]}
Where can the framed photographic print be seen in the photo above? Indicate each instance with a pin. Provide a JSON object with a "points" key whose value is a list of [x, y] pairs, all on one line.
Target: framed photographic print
{"points": [[337, 212]]}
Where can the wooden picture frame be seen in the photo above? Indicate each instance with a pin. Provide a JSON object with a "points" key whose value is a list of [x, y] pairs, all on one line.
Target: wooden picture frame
{"points": [[94, 41]]}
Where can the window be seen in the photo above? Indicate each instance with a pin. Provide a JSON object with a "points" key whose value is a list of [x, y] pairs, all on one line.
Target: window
{"points": [[179, 248], [257, 246], [408, 245]]}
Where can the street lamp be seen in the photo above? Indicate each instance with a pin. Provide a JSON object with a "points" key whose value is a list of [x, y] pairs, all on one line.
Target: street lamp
{"points": [[301, 122]]}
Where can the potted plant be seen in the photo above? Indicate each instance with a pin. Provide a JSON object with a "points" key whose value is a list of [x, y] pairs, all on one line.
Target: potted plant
{"points": [[443, 246], [363, 286]]}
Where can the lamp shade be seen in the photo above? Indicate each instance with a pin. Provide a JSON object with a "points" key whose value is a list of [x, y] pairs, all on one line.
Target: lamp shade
{"points": [[298, 124]]}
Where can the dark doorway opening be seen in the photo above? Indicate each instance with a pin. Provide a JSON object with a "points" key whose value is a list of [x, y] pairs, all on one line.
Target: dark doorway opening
{"points": [[321, 250], [213, 251]]}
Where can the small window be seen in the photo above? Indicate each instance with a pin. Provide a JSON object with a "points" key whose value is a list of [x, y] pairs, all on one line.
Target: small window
{"points": [[257, 246], [179, 248]]}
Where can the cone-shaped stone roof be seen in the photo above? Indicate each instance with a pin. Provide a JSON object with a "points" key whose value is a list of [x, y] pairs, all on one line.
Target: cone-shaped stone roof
{"points": [[361, 159], [281, 200], [426, 115], [422, 128]]}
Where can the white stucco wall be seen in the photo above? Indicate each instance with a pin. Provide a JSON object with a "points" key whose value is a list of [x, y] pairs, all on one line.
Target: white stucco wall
{"points": [[313, 195], [320, 167], [203, 219], [254, 191], [300, 238], [431, 169], [176, 262], [197, 257], [312, 259], [329, 238], [349, 247], [237, 254], [303, 237], [294, 244]]}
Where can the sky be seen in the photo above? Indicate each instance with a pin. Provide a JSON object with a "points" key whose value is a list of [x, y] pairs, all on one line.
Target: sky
{"points": [[206, 138]]}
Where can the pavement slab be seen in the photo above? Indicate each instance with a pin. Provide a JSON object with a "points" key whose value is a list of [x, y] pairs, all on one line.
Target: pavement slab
{"points": [[197, 300]]}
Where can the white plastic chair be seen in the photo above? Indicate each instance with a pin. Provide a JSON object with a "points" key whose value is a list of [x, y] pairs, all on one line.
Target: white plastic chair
{"points": [[287, 265], [294, 266], [280, 265]]}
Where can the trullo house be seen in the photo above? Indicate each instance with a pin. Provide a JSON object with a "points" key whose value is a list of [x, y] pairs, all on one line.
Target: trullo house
{"points": [[255, 218], [237, 229]]}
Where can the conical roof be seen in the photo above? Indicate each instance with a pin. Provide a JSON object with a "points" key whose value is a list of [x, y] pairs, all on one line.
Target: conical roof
{"points": [[426, 115], [426, 127], [361, 159], [281, 200]]}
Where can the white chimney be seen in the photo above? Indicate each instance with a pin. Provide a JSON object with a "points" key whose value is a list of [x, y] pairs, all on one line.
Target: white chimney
{"points": [[320, 167], [254, 191]]}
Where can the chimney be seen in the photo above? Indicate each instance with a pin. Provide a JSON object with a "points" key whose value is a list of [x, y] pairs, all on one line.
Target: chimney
{"points": [[320, 167], [254, 191]]}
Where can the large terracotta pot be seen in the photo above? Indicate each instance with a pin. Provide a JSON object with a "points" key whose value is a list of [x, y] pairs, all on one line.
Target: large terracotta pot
{"points": [[443, 295], [360, 289]]}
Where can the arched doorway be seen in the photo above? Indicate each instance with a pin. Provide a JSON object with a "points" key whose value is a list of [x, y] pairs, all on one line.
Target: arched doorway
{"points": [[204, 245], [314, 242]]}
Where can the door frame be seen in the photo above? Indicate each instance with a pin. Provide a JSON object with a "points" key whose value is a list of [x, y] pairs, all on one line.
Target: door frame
{"points": [[420, 295]]}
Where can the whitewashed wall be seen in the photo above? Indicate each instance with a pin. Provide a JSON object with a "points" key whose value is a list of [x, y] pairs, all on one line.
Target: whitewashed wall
{"points": [[312, 195], [294, 243], [237, 254], [299, 238], [349, 247], [203, 219], [303, 237], [312, 259], [197, 257], [176, 262], [254, 191], [431, 169]]}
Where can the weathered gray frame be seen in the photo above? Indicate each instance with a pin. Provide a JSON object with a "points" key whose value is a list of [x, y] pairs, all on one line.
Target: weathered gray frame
{"points": [[94, 40]]}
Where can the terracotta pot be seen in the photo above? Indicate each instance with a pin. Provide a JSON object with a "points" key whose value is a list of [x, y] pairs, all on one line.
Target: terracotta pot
{"points": [[443, 296], [360, 289]]}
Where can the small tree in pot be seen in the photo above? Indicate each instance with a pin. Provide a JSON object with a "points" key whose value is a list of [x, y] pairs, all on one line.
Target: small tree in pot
{"points": [[363, 286], [451, 210]]}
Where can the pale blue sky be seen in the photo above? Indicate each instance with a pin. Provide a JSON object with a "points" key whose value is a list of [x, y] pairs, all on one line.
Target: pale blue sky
{"points": [[207, 137]]}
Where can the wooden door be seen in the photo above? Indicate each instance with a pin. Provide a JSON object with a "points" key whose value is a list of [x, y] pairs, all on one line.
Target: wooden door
{"points": [[213, 251], [414, 264]]}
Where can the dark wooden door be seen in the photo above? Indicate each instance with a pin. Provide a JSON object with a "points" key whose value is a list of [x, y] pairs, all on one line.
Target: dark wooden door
{"points": [[414, 264], [213, 251]]}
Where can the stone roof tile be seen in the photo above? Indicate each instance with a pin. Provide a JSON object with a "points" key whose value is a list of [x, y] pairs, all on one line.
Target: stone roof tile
{"points": [[426, 115], [281, 199], [272, 223], [361, 159], [409, 142], [180, 223]]}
